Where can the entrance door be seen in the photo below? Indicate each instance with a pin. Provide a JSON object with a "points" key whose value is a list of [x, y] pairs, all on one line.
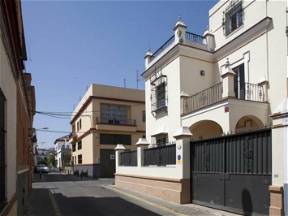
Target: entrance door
{"points": [[107, 162], [239, 82], [233, 172], [2, 151]]}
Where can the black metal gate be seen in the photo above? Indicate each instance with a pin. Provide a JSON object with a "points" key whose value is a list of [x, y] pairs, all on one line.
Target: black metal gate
{"points": [[2, 150], [233, 172], [107, 162]]}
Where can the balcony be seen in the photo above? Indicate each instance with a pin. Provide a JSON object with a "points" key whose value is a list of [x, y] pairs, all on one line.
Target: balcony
{"points": [[214, 95], [124, 122], [189, 38], [181, 36]]}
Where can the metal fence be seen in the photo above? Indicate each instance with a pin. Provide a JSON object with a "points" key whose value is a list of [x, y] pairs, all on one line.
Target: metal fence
{"points": [[195, 38], [160, 156], [202, 99], [128, 158]]}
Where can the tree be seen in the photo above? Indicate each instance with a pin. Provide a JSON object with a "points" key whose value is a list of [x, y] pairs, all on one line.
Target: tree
{"points": [[51, 161], [66, 157]]}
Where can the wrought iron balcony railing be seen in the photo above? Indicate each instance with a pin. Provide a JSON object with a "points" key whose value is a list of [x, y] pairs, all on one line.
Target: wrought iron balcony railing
{"points": [[212, 95], [203, 98], [124, 122], [250, 91], [194, 38], [189, 36], [163, 47]]}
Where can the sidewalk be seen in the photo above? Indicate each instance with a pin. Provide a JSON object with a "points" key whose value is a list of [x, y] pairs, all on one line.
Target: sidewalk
{"points": [[181, 210]]}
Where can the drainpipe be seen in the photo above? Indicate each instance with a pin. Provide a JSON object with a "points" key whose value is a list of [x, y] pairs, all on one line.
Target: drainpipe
{"points": [[286, 130]]}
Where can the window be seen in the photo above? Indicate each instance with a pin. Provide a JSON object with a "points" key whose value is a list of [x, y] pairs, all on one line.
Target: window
{"points": [[79, 145], [80, 159], [233, 18], [143, 116], [73, 128], [79, 125], [114, 114], [160, 96], [2, 149], [161, 139], [73, 147], [115, 139]]}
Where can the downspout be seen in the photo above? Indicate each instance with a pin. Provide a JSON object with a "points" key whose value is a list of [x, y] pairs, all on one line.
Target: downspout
{"points": [[286, 130]]}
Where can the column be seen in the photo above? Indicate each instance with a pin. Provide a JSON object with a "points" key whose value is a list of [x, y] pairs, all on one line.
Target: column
{"points": [[228, 81], [118, 149], [183, 136], [141, 145], [180, 31]]}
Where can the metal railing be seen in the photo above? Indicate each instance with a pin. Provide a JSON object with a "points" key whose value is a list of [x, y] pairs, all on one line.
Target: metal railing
{"points": [[160, 156], [159, 105], [164, 46], [202, 99], [128, 158], [250, 91], [127, 122], [195, 38]]}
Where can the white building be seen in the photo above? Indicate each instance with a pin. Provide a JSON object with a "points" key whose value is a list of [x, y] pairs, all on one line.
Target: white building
{"points": [[231, 80], [62, 147]]}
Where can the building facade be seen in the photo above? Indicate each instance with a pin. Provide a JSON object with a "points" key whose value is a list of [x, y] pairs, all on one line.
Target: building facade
{"points": [[105, 116], [230, 80], [62, 151], [17, 108]]}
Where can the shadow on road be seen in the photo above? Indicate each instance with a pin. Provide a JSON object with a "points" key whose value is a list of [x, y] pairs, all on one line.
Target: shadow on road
{"points": [[79, 206], [58, 177]]}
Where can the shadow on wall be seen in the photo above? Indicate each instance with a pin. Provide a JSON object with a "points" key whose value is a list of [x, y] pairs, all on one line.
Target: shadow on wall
{"points": [[79, 206], [247, 205]]}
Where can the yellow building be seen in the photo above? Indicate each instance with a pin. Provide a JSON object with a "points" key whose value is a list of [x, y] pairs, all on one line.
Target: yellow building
{"points": [[104, 117]]}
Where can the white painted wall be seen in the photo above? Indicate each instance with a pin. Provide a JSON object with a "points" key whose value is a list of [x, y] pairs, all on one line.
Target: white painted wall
{"points": [[264, 55], [171, 121]]}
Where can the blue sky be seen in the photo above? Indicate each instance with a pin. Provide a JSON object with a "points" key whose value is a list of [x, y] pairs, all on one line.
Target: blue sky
{"points": [[72, 44]]}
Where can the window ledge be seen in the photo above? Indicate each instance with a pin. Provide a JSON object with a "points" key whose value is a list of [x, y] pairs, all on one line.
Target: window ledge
{"points": [[234, 31]]}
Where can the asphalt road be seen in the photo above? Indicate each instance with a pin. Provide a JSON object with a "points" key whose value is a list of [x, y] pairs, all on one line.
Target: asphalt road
{"points": [[63, 195]]}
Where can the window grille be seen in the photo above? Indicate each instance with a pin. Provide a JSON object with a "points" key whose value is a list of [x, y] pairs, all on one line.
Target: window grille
{"points": [[159, 94], [233, 17]]}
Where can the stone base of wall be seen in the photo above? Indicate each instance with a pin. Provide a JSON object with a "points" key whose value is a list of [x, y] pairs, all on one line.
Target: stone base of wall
{"points": [[94, 170], [177, 191], [11, 207], [276, 200], [23, 187]]}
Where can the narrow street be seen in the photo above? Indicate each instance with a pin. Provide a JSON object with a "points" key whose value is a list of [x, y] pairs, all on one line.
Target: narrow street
{"points": [[64, 195]]}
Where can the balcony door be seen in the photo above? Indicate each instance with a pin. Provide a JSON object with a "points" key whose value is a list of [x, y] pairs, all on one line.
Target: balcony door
{"points": [[239, 82]]}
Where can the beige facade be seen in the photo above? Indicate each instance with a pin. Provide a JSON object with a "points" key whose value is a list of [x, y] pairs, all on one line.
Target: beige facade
{"points": [[105, 116], [229, 80]]}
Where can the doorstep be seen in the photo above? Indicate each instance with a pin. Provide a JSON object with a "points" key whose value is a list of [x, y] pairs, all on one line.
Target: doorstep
{"points": [[178, 209]]}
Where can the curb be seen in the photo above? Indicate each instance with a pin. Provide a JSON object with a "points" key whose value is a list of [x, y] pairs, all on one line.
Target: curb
{"points": [[54, 204], [113, 188]]}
